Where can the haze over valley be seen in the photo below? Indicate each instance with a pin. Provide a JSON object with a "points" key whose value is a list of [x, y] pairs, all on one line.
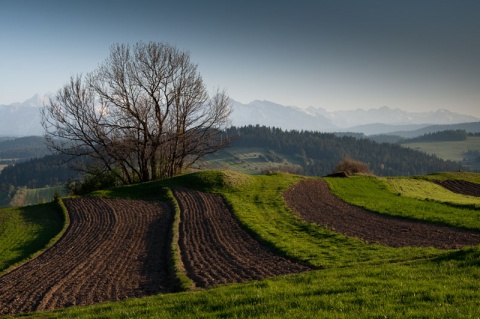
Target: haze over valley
{"points": [[23, 118]]}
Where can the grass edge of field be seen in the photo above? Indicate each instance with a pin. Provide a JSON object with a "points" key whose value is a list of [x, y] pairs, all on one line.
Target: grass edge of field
{"points": [[179, 278], [428, 189], [409, 290], [51, 242], [357, 190]]}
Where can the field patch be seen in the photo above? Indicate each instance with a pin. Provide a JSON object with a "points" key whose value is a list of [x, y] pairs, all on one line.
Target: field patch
{"points": [[461, 187], [216, 250], [424, 189], [375, 195], [32, 196], [26, 230], [312, 199], [112, 250], [453, 150]]}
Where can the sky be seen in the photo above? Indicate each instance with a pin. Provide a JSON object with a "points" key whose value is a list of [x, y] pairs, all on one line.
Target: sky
{"points": [[415, 55]]}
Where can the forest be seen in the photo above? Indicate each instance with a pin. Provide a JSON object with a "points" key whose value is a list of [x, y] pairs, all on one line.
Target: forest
{"points": [[442, 136], [321, 152], [49, 170]]}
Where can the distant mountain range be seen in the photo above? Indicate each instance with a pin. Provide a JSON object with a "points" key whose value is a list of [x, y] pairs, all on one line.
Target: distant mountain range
{"points": [[374, 121], [23, 119]]}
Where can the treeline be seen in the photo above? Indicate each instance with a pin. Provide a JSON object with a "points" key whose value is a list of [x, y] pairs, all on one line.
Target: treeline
{"points": [[473, 155], [441, 136], [319, 153], [50, 170], [19, 149]]}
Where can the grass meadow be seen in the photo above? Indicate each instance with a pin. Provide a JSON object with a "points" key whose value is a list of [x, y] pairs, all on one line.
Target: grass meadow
{"points": [[24, 231], [374, 194], [351, 279], [32, 196], [427, 190], [453, 151]]}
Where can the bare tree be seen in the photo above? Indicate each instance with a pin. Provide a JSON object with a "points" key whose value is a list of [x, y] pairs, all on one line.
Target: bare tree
{"points": [[143, 114]]}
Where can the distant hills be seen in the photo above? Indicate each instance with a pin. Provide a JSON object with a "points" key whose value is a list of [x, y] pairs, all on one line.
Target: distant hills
{"points": [[23, 119]]}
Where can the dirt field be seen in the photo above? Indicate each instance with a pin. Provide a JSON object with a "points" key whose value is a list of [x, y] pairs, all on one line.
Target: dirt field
{"points": [[461, 187], [113, 249], [117, 249], [312, 200], [216, 250]]}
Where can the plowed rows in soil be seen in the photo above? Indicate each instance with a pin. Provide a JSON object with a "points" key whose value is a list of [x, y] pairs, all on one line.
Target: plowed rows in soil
{"points": [[215, 249], [312, 199], [461, 187], [113, 249]]}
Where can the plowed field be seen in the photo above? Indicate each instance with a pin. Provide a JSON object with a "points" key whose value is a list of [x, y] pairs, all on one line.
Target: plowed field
{"points": [[461, 187], [113, 249], [216, 249], [312, 200]]}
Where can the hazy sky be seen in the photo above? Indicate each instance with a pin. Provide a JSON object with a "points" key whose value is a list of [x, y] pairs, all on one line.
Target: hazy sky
{"points": [[417, 55]]}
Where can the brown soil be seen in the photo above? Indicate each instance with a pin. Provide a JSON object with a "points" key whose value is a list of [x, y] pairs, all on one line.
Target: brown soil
{"points": [[461, 187], [312, 200], [112, 250], [216, 249]]}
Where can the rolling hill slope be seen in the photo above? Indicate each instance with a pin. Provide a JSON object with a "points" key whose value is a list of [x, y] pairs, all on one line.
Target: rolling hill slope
{"points": [[349, 272]]}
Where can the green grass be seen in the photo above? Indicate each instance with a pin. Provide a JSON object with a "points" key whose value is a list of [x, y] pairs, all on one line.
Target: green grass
{"points": [[249, 160], [424, 189], [355, 279], [181, 280], [27, 230], [445, 287], [453, 150], [260, 207], [375, 195], [443, 176], [33, 196]]}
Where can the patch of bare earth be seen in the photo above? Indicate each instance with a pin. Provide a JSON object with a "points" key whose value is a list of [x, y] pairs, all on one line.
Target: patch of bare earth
{"points": [[216, 249], [112, 250], [461, 187], [313, 201]]}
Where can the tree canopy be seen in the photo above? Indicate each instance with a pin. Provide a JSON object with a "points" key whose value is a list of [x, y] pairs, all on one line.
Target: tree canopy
{"points": [[143, 114]]}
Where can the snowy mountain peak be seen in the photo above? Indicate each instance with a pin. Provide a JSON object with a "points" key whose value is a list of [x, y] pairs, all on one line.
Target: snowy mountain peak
{"points": [[37, 100], [318, 119]]}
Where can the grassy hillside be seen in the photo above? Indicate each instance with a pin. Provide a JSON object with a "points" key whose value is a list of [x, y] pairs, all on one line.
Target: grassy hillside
{"points": [[427, 190], [374, 194], [32, 196], [26, 230], [454, 151], [250, 160], [353, 279]]}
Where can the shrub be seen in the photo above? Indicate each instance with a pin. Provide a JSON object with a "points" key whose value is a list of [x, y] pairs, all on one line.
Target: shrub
{"points": [[349, 167], [92, 181]]}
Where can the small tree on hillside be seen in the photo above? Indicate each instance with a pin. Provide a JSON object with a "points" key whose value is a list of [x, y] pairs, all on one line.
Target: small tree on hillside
{"points": [[349, 167]]}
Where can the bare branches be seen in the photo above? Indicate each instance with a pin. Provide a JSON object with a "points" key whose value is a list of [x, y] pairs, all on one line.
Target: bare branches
{"points": [[145, 112]]}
